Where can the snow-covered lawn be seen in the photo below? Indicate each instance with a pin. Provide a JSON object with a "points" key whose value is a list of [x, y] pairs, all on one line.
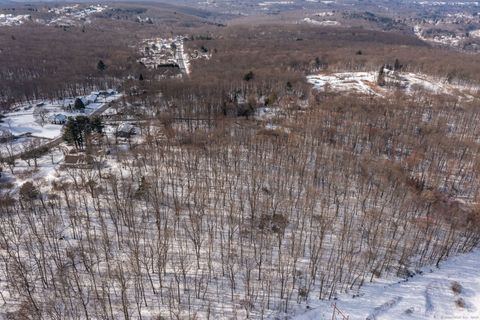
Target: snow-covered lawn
{"points": [[366, 83], [451, 291], [22, 122]]}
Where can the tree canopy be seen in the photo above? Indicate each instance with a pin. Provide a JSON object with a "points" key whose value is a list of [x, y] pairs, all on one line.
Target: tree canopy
{"points": [[79, 128]]}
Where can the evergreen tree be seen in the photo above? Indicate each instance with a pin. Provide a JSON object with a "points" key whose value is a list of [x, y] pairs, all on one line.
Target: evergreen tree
{"points": [[140, 77], [77, 129], [96, 124], [79, 105], [71, 133], [101, 66], [397, 66], [289, 86], [249, 76]]}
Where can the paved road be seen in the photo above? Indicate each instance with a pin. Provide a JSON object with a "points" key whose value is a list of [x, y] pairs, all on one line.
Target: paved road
{"points": [[180, 59]]}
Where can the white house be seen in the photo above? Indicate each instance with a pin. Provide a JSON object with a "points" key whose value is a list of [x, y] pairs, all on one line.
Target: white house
{"points": [[92, 98], [58, 118]]}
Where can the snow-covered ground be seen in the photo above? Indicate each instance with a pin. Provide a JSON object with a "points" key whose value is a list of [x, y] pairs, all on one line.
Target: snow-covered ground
{"points": [[366, 83], [360, 82], [321, 23], [43, 174], [325, 14], [272, 3], [63, 16], [35, 117], [23, 122], [475, 33], [444, 39], [451, 291], [78, 12], [49, 164], [71, 15], [13, 20], [182, 58], [450, 3]]}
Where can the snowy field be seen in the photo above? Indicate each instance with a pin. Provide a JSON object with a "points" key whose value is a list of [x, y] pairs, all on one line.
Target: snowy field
{"points": [[451, 291], [366, 83]]}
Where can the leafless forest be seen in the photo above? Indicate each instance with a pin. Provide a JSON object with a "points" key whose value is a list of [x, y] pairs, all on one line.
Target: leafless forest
{"points": [[209, 213]]}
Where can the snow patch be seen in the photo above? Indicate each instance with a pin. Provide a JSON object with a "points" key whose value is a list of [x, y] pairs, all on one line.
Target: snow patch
{"points": [[321, 23], [410, 83], [13, 20]]}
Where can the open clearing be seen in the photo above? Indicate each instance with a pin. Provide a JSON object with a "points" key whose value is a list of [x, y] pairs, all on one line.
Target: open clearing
{"points": [[411, 83], [427, 295]]}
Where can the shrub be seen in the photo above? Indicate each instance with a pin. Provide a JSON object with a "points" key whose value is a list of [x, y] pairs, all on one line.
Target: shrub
{"points": [[456, 287]]}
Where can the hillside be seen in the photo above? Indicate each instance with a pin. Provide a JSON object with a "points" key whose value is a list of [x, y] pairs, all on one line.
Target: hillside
{"points": [[239, 160], [449, 291]]}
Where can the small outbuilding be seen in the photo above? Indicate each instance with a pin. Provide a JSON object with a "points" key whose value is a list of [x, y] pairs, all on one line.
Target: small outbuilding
{"points": [[125, 130]]}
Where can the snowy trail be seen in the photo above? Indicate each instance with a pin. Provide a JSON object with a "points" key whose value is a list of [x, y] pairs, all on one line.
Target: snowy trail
{"points": [[425, 296]]}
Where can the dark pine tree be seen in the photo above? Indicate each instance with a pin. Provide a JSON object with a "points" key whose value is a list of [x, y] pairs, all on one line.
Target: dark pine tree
{"points": [[101, 66], [249, 76], [397, 66], [77, 129], [79, 105]]}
